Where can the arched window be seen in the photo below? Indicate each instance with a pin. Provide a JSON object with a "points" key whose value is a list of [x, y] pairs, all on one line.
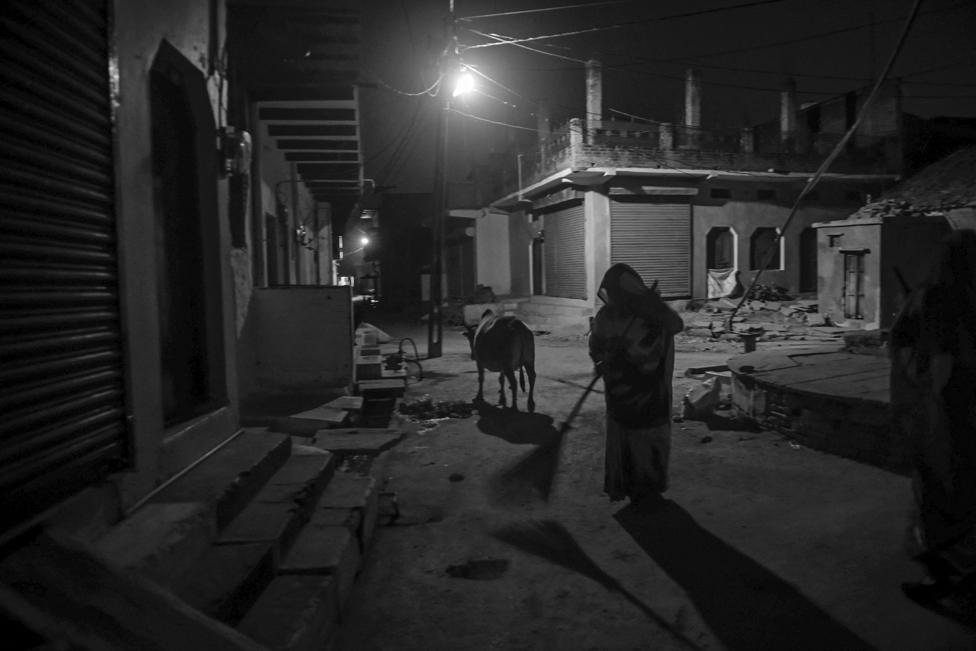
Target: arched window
{"points": [[762, 240], [721, 251]]}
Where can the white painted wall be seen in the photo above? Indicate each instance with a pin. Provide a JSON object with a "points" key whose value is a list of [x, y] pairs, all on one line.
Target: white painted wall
{"points": [[304, 339], [492, 265]]}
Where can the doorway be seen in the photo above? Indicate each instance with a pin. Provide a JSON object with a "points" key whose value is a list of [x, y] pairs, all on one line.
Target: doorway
{"points": [[189, 336]]}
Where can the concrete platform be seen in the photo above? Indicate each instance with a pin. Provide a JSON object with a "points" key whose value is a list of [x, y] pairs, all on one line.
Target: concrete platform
{"points": [[826, 398]]}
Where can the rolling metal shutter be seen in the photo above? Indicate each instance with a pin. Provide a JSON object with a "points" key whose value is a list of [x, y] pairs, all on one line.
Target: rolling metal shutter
{"points": [[63, 422], [654, 237], [565, 252]]}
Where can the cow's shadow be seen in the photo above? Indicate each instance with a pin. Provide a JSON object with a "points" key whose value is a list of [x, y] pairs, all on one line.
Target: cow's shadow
{"points": [[530, 477], [512, 426]]}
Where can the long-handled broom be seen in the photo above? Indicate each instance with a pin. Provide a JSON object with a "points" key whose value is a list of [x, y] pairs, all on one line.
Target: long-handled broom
{"points": [[537, 469], [551, 541]]}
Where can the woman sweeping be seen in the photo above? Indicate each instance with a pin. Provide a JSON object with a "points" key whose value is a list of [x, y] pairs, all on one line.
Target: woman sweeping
{"points": [[933, 398], [632, 345]]}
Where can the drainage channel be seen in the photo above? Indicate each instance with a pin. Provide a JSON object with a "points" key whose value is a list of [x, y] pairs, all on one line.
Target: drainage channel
{"points": [[377, 411]]}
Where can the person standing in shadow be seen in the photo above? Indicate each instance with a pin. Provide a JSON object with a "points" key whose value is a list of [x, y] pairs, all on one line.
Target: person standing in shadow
{"points": [[632, 346], [933, 399]]}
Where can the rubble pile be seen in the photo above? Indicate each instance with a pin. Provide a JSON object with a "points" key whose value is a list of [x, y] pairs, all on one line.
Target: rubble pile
{"points": [[943, 185], [760, 292], [426, 409], [893, 207], [767, 319]]}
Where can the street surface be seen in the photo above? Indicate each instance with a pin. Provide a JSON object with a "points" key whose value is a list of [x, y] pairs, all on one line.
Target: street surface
{"points": [[762, 544]]}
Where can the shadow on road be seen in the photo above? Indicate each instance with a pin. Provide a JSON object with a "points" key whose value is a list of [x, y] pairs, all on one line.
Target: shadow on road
{"points": [[530, 478], [517, 427], [746, 606]]}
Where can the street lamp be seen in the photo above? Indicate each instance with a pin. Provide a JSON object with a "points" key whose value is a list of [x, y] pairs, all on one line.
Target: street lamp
{"points": [[463, 83]]}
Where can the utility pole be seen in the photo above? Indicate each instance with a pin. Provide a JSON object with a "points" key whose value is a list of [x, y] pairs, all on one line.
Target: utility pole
{"points": [[448, 65]]}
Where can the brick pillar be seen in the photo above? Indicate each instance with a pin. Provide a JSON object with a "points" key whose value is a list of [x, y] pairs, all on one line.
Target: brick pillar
{"points": [[544, 129], [692, 121], [747, 140], [666, 136], [575, 138], [787, 116], [594, 98]]}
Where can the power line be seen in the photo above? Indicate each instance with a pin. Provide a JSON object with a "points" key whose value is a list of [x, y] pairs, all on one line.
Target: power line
{"points": [[811, 37], [508, 40], [590, 30], [838, 148], [481, 119], [536, 11]]}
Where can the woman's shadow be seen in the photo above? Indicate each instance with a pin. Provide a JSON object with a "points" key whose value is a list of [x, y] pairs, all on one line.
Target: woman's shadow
{"points": [[745, 605]]}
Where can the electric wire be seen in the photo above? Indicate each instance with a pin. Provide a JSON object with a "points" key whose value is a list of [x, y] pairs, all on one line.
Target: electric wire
{"points": [[825, 165], [545, 9], [642, 21]]}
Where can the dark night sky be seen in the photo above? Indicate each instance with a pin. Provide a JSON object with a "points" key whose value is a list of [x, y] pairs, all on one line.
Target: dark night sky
{"points": [[744, 55]]}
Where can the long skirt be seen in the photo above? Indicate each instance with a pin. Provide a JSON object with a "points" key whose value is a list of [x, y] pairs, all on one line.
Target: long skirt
{"points": [[637, 460]]}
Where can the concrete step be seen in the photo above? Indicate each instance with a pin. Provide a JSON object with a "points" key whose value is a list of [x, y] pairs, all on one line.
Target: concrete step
{"points": [[232, 476], [278, 511], [161, 540], [228, 579], [84, 601], [535, 309], [295, 613], [357, 493], [244, 559], [302, 605], [359, 440]]}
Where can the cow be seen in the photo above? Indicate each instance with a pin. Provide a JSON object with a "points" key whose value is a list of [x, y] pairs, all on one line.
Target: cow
{"points": [[503, 344]]}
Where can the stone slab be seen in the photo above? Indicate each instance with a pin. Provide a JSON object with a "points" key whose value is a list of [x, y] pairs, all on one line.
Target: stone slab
{"points": [[332, 550], [361, 443], [349, 403], [349, 491], [232, 476], [351, 519], [225, 582], [295, 613], [277, 512], [104, 606], [274, 523], [307, 426], [161, 540], [323, 413], [304, 469]]}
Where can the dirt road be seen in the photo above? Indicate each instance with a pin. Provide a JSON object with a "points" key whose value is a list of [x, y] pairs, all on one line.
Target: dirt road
{"points": [[761, 545]]}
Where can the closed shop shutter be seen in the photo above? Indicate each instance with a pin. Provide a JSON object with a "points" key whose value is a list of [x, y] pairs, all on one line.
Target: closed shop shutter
{"points": [[654, 237], [565, 252], [63, 422]]}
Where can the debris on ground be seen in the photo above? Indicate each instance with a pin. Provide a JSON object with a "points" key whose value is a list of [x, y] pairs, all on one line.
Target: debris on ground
{"points": [[425, 409], [760, 292], [701, 400], [357, 463]]}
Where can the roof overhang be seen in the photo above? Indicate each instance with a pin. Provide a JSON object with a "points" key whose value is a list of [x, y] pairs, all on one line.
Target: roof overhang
{"points": [[596, 176]]}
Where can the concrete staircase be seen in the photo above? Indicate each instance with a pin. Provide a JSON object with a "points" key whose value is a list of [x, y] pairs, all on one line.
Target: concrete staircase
{"points": [[266, 535], [543, 314]]}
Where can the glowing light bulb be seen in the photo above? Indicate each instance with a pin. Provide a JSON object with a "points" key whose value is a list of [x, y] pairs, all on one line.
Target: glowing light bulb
{"points": [[364, 241], [465, 84]]}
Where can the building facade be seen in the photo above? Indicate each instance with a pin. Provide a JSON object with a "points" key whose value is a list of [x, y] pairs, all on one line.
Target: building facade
{"points": [[680, 203]]}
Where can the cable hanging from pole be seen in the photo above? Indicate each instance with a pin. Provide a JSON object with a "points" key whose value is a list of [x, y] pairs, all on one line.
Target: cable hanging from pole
{"points": [[812, 182]]}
